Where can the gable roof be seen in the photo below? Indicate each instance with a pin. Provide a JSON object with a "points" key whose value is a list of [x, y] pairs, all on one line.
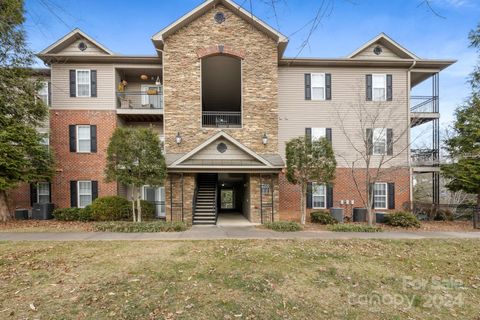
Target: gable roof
{"points": [[256, 162], [71, 37], [389, 43], [160, 36]]}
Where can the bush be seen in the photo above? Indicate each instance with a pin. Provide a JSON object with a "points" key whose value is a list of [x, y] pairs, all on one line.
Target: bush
{"points": [[112, 208], [322, 217], [148, 210], [283, 226], [151, 226], [354, 228], [444, 215], [402, 219], [73, 214]]}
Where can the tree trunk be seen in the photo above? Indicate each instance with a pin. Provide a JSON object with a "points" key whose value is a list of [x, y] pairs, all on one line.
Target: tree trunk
{"points": [[4, 209], [133, 203], [303, 204], [139, 208], [476, 214], [370, 207]]}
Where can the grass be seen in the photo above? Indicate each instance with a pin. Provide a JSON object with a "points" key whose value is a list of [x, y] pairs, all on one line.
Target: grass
{"points": [[148, 226], [283, 226], [354, 228], [254, 279]]}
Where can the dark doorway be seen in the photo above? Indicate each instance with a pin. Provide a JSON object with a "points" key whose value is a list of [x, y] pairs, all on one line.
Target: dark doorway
{"points": [[231, 192]]}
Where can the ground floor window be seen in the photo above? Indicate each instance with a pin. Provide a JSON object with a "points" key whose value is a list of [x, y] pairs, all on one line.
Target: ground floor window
{"points": [[380, 196], [84, 193], [319, 195], [156, 196], [43, 192]]}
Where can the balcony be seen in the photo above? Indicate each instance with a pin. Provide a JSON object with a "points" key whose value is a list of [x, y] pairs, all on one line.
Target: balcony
{"points": [[221, 119], [140, 105], [425, 160], [424, 109]]}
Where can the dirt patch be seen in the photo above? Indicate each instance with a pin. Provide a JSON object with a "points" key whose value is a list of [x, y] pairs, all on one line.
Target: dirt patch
{"points": [[45, 226]]}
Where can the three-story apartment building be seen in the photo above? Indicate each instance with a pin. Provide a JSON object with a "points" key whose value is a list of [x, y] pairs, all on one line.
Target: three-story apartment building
{"points": [[224, 101]]}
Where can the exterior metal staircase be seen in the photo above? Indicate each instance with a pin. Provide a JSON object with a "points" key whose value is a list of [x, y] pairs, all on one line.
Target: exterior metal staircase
{"points": [[205, 208]]}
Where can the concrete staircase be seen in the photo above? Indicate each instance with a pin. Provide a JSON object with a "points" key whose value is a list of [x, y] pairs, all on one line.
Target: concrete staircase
{"points": [[205, 212]]}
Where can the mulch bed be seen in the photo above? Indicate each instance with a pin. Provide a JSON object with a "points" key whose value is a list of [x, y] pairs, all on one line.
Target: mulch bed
{"points": [[45, 226]]}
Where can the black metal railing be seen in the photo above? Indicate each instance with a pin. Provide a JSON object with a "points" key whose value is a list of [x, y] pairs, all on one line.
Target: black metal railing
{"points": [[424, 103], [151, 99], [222, 119], [425, 157]]}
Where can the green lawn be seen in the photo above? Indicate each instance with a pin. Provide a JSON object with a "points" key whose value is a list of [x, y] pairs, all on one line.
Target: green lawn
{"points": [[271, 279]]}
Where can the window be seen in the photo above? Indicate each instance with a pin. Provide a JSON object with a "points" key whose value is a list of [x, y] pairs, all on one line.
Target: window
{"points": [[319, 192], [156, 196], [45, 141], [43, 92], [318, 133], [83, 83], [43, 192], [83, 139], [318, 86], [379, 87], [380, 196], [84, 193], [379, 141]]}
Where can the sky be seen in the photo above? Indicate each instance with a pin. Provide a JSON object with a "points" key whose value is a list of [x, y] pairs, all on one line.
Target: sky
{"points": [[126, 27]]}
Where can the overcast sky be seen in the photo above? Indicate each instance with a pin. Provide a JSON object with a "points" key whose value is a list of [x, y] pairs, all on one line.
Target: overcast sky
{"points": [[126, 27]]}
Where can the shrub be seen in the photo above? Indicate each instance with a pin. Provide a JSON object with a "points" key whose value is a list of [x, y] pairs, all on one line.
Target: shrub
{"points": [[444, 215], [150, 226], [111, 208], [322, 217], [283, 226], [402, 219], [148, 210], [73, 214], [354, 228]]}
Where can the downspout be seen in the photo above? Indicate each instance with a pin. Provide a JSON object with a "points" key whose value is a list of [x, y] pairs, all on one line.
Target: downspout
{"points": [[409, 128]]}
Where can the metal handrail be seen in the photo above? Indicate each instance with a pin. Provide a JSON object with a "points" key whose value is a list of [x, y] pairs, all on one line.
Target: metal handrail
{"points": [[429, 101], [194, 205], [219, 119], [135, 100], [425, 157], [216, 200]]}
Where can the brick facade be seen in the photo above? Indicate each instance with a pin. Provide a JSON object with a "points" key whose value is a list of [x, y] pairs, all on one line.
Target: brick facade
{"points": [[182, 188], [259, 206], [79, 166], [344, 189]]}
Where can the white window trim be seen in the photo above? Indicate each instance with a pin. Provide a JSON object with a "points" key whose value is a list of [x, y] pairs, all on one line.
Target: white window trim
{"points": [[89, 83], [386, 195], [312, 138], [38, 191], [324, 195], [384, 132], [324, 87], [78, 192], [384, 75], [78, 138]]}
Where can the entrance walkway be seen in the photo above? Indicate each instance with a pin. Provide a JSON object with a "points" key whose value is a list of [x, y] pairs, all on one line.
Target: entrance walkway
{"points": [[222, 232], [234, 219]]}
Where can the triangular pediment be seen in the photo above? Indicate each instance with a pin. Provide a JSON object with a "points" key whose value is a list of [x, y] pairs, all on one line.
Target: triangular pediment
{"points": [[223, 151], [382, 47], [70, 45]]}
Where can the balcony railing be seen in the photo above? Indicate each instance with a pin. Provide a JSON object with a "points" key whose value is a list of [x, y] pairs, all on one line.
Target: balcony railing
{"points": [[151, 99], [222, 119], [424, 103], [424, 157]]}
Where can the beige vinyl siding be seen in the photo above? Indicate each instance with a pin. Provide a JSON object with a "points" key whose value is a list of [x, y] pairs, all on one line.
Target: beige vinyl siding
{"points": [[106, 87], [348, 99], [369, 54], [92, 49]]}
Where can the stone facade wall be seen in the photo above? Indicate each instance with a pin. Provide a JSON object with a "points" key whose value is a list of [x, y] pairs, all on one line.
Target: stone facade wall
{"points": [[344, 189], [79, 166], [255, 212], [181, 199], [182, 82]]}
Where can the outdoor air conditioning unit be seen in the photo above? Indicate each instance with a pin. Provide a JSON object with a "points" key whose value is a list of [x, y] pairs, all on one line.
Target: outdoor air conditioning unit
{"points": [[42, 211]]}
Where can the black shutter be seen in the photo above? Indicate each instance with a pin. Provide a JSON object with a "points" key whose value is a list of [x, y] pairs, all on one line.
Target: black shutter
{"points": [[328, 86], [94, 190], [49, 87], [309, 195], [72, 131], [73, 194], [328, 134], [389, 87], [329, 196], [391, 195], [93, 138], [371, 194], [50, 192], [73, 83], [93, 83], [390, 142], [308, 134], [368, 85], [33, 193], [370, 141], [308, 86]]}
